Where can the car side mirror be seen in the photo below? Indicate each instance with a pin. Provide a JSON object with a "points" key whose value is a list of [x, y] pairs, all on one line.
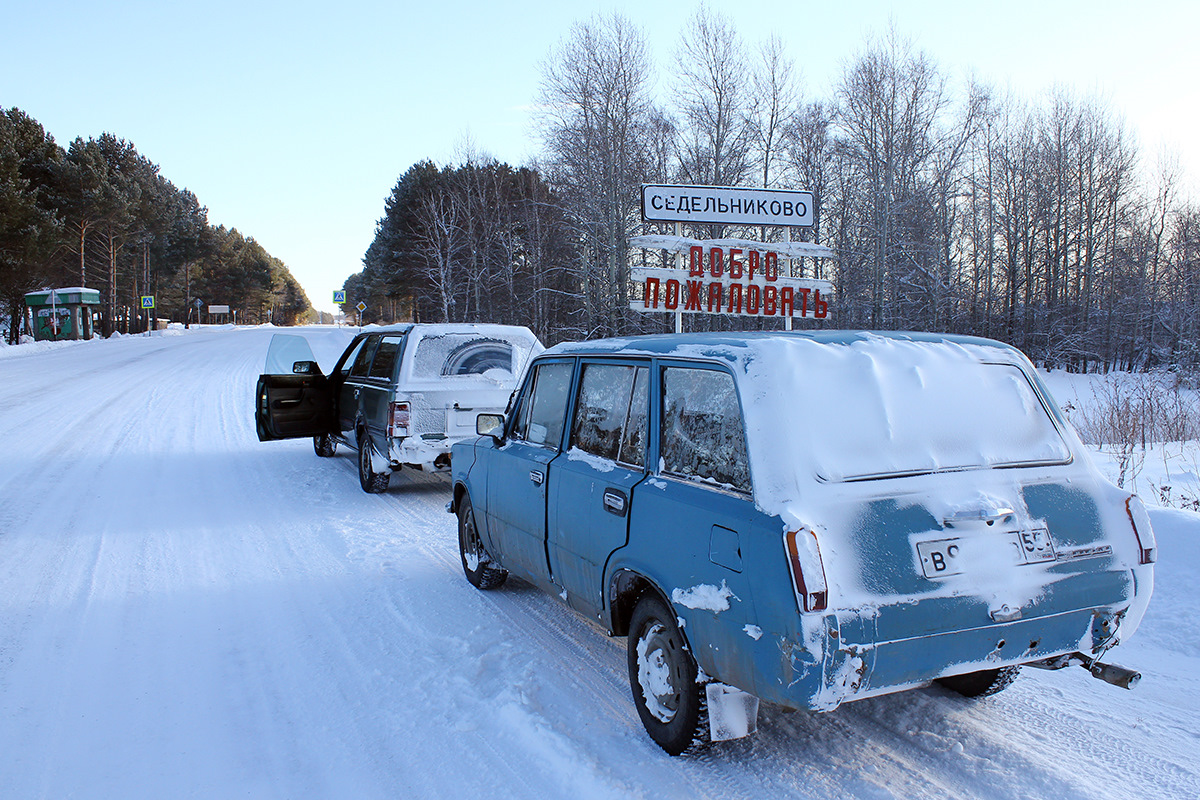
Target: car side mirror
{"points": [[306, 368], [490, 425]]}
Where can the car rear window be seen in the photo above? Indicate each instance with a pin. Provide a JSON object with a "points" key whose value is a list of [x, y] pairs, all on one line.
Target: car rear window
{"points": [[452, 354], [882, 418]]}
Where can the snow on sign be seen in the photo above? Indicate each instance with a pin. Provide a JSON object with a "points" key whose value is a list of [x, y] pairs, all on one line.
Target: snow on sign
{"points": [[737, 282], [726, 205]]}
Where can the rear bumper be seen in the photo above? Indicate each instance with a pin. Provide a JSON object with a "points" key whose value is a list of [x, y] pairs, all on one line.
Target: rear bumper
{"points": [[856, 665], [906, 662], [431, 455]]}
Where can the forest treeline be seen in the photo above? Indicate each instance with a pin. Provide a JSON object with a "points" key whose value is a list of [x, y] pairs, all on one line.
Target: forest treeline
{"points": [[950, 206], [99, 214]]}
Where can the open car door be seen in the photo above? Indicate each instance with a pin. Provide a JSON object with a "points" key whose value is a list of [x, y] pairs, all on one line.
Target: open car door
{"points": [[293, 398]]}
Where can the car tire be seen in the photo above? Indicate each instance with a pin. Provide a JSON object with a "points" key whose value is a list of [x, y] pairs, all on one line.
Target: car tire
{"points": [[325, 445], [671, 702], [481, 571], [981, 684], [371, 481]]}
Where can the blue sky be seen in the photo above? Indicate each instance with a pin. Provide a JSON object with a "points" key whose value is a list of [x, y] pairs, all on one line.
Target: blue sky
{"points": [[292, 121]]}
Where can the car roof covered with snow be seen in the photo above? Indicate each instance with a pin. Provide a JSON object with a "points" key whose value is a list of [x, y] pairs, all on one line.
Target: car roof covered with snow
{"points": [[847, 406], [732, 346]]}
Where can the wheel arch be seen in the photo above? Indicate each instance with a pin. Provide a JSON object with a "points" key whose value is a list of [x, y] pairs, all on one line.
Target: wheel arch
{"points": [[625, 589], [458, 493]]}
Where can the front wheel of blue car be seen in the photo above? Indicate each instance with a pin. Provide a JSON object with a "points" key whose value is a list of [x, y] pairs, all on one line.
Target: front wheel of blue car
{"points": [[481, 571], [663, 676]]}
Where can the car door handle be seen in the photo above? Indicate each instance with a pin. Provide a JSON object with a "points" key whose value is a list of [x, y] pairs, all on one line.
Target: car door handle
{"points": [[614, 502], [536, 476], [356, 392], [287, 403]]}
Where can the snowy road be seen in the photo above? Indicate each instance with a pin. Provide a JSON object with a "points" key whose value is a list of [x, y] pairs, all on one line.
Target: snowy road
{"points": [[187, 612]]}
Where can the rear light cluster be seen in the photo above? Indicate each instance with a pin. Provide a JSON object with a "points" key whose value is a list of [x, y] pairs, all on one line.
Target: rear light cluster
{"points": [[1142, 531], [398, 418], [808, 570]]}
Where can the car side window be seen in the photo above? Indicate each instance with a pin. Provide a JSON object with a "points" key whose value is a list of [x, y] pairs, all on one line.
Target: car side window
{"points": [[609, 412], [541, 416], [359, 370], [385, 357], [348, 359], [703, 435], [633, 445]]}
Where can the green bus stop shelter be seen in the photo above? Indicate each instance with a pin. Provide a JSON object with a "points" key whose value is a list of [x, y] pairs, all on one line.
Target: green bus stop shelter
{"points": [[55, 314]]}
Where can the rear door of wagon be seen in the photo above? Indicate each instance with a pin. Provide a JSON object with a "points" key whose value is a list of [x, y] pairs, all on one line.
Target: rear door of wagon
{"points": [[592, 485]]}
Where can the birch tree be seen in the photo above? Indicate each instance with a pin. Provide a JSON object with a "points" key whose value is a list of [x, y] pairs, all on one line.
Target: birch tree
{"points": [[596, 98]]}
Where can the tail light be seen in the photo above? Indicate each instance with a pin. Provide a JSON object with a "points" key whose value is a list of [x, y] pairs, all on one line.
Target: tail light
{"points": [[398, 417], [1142, 531], [808, 570]]}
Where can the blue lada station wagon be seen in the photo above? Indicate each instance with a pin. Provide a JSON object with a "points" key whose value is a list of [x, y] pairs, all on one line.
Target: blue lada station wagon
{"points": [[805, 518]]}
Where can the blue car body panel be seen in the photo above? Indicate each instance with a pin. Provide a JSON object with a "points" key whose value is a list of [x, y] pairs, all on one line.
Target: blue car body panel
{"points": [[717, 553]]}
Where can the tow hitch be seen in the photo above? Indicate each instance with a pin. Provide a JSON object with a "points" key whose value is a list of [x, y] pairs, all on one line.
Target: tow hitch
{"points": [[1109, 673]]}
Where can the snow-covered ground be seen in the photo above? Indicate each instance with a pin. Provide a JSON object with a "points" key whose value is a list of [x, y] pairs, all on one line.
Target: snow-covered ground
{"points": [[189, 612]]}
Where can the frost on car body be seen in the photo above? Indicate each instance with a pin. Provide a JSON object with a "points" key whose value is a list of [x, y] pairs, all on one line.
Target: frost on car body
{"points": [[881, 510]]}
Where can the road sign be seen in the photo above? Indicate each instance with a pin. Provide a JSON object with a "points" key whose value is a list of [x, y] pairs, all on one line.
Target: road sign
{"points": [[198, 302], [727, 205], [147, 301], [361, 306], [339, 297]]}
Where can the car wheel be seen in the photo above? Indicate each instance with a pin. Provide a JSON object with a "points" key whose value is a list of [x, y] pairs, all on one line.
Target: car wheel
{"points": [[325, 445], [673, 705], [481, 571], [372, 482], [981, 684]]}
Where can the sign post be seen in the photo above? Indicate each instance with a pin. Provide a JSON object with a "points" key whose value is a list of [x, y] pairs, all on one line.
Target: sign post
{"points": [[148, 307]]}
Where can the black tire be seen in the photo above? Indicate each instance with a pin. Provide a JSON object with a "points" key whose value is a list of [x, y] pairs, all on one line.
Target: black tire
{"points": [[662, 675], [481, 571], [981, 684], [372, 482], [325, 445]]}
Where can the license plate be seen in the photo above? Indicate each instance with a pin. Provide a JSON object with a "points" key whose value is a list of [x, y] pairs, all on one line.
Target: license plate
{"points": [[1034, 546], [941, 558]]}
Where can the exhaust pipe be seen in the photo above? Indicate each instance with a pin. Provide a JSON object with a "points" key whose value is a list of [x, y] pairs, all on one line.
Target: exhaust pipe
{"points": [[1111, 673]]}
